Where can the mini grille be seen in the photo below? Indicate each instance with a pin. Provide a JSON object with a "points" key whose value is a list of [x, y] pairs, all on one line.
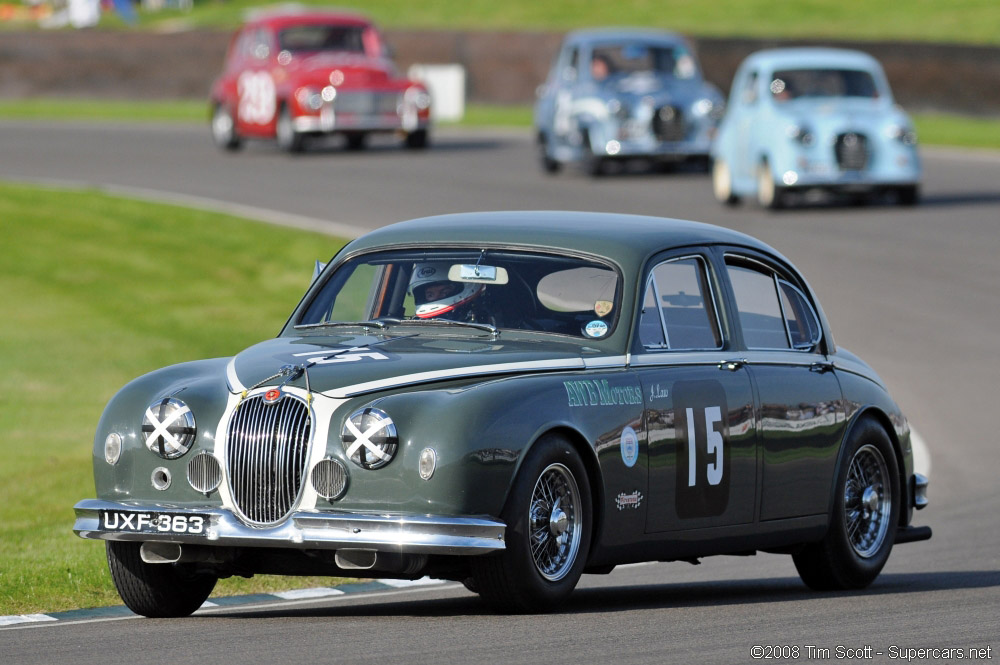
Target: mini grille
{"points": [[266, 451], [204, 473], [329, 479], [852, 151], [668, 123], [366, 103]]}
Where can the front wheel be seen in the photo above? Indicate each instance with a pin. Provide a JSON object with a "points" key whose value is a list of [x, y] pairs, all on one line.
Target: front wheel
{"points": [[224, 128], [549, 522], [289, 140], [155, 590], [722, 183], [769, 195], [865, 515], [418, 139]]}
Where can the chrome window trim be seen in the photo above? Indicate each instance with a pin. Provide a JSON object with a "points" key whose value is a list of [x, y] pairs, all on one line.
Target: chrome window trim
{"points": [[656, 291], [813, 343], [777, 289]]}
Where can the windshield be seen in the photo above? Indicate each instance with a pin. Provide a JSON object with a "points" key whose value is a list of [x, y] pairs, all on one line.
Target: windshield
{"points": [[622, 59], [322, 38], [797, 83], [508, 290]]}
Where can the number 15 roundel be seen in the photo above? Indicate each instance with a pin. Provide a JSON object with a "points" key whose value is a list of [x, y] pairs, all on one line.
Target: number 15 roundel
{"points": [[703, 468]]}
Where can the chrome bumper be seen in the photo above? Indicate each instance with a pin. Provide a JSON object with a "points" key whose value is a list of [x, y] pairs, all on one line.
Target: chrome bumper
{"points": [[416, 534]]}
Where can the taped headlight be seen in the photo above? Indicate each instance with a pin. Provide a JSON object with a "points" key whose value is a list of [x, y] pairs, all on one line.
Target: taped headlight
{"points": [[370, 438], [169, 428]]}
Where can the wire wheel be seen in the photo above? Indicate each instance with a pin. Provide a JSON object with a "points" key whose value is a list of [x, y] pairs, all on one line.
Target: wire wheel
{"points": [[867, 501], [555, 522]]}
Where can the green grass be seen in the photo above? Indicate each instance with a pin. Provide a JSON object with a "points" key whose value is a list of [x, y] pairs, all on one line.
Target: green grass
{"points": [[961, 21], [96, 291], [932, 128]]}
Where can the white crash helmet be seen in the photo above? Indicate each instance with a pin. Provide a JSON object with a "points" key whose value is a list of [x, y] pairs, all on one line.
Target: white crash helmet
{"points": [[428, 274]]}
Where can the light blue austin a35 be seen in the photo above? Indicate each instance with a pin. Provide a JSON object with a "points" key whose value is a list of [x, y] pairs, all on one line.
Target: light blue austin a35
{"points": [[803, 120], [617, 94]]}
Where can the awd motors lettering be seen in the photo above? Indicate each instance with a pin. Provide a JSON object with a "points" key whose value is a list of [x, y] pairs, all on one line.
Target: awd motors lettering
{"points": [[598, 392]]}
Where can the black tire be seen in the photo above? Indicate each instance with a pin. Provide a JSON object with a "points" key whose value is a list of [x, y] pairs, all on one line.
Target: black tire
{"points": [[548, 164], [289, 140], [357, 141], [518, 579], [867, 500], [159, 590], [418, 139], [908, 195], [224, 128]]}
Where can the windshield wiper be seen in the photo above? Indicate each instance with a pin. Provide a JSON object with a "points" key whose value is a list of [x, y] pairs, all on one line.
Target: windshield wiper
{"points": [[381, 325], [488, 327]]}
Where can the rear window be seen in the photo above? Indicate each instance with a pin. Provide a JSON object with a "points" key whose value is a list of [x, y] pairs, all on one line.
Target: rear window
{"points": [[774, 314]]}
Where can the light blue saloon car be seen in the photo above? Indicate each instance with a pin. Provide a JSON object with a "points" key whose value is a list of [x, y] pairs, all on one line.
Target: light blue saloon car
{"points": [[615, 94], [802, 121]]}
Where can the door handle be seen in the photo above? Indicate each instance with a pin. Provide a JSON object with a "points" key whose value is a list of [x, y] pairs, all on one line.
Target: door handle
{"points": [[733, 364], [821, 367]]}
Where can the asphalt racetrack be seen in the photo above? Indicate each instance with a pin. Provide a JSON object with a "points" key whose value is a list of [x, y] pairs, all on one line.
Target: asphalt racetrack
{"points": [[916, 292]]}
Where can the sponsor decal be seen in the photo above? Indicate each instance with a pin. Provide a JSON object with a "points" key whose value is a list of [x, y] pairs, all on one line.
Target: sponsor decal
{"points": [[656, 392], [630, 447], [594, 392], [351, 355], [272, 396], [596, 329], [631, 500], [603, 307], [426, 272]]}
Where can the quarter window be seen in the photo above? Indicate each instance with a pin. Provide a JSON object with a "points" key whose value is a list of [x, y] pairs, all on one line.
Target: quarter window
{"points": [[774, 314], [678, 309]]}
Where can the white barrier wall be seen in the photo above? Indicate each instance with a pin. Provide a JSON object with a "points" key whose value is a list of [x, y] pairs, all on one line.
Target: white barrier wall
{"points": [[446, 84]]}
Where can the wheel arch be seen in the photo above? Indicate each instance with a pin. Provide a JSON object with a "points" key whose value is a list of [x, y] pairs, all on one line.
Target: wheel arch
{"points": [[881, 418]]}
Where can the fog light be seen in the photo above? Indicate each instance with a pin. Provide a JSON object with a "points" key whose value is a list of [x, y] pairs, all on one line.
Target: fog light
{"points": [[427, 463], [790, 178], [329, 93], [112, 448], [161, 478], [329, 479], [204, 473], [613, 147]]}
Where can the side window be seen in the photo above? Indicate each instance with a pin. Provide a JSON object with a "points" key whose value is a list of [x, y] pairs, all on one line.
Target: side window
{"points": [[679, 295], [801, 319], [571, 66], [759, 309]]}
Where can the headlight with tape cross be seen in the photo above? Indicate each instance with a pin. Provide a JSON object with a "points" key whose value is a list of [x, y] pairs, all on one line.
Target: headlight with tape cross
{"points": [[370, 438], [169, 428]]}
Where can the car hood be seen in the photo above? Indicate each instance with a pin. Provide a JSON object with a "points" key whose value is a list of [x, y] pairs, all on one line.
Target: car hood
{"points": [[662, 88], [346, 365], [357, 70], [861, 114]]}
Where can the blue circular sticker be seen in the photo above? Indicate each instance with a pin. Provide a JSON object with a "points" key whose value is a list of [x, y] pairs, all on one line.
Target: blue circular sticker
{"points": [[630, 447], [596, 329]]}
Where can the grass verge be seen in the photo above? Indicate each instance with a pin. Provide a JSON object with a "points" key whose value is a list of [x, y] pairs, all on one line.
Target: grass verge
{"points": [[932, 128], [98, 290]]}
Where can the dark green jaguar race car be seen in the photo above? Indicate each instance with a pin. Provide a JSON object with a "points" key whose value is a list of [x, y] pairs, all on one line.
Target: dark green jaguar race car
{"points": [[512, 400]]}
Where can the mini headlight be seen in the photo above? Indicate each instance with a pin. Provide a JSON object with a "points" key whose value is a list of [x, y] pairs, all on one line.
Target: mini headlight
{"points": [[309, 98], [329, 93], [702, 107], [112, 448], [904, 135], [370, 438], [169, 428]]}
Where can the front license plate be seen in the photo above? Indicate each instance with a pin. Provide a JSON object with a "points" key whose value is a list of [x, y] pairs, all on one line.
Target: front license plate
{"points": [[132, 521]]}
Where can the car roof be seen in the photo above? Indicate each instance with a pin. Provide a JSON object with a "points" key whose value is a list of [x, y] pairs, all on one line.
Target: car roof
{"points": [[624, 239], [593, 35], [804, 57], [284, 16]]}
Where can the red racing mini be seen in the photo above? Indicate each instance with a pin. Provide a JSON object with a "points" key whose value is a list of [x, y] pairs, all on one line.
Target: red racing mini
{"points": [[290, 75]]}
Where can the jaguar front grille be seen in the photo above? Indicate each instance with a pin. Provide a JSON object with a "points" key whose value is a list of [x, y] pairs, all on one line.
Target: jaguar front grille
{"points": [[267, 447], [852, 151], [668, 124]]}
